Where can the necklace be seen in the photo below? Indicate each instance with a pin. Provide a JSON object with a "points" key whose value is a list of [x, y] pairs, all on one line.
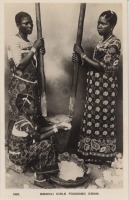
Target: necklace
{"points": [[107, 38]]}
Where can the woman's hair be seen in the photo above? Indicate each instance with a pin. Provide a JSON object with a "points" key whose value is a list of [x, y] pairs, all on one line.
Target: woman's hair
{"points": [[23, 100], [110, 16], [19, 16]]}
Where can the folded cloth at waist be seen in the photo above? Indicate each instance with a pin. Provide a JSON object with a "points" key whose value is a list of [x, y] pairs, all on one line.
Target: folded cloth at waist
{"points": [[33, 82], [14, 153]]}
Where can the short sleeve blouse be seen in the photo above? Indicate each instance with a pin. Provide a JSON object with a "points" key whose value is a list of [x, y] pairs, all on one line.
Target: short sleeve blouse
{"points": [[107, 53]]}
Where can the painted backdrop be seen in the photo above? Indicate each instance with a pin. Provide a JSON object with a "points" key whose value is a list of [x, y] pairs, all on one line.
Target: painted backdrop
{"points": [[59, 26]]}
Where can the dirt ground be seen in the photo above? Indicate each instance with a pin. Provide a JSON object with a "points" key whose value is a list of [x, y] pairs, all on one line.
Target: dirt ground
{"points": [[100, 177]]}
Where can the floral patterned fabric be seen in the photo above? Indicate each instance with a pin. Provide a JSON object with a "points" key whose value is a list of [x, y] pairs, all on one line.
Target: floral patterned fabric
{"points": [[98, 128], [25, 148], [21, 82]]}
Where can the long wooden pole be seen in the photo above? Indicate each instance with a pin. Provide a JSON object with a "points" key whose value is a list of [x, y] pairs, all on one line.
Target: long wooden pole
{"points": [[76, 64], [42, 83]]}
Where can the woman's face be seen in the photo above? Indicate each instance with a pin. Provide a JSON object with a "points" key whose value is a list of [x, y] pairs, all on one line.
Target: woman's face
{"points": [[103, 26], [26, 25]]}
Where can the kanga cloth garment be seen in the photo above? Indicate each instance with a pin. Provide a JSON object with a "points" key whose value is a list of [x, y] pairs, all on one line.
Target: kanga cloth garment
{"points": [[98, 128], [21, 82], [26, 149]]}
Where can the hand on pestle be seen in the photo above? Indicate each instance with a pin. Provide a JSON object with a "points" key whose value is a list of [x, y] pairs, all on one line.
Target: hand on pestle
{"points": [[64, 125]]}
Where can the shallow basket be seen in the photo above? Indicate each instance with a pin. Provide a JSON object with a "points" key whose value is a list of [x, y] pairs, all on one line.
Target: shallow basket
{"points": [[79, 180], [70, 183]]}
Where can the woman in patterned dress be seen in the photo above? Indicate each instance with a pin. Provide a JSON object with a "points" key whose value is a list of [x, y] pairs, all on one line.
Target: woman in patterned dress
{"points": [[23, 65], [29, 146], [97, 142]]}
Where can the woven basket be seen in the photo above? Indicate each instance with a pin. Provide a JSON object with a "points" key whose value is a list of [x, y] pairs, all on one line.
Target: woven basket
{"points": [[79, 180]]}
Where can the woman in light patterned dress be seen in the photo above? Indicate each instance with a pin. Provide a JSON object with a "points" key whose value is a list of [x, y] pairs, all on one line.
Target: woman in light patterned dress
{"points": [[97, 142], [23, 65]]}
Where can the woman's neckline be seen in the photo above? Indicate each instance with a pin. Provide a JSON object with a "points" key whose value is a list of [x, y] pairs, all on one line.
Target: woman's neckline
{"points": [[103, 41], [22, 38]]}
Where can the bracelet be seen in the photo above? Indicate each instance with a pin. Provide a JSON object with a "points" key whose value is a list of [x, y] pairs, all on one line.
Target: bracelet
{"points": [[33, 49], [83, 55], [55, 129]]}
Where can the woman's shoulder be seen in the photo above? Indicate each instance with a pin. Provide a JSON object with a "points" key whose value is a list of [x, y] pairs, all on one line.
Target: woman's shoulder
{"points": [[23, 124], [115, 38], [22, 121], [14, 40], [115, 41]]}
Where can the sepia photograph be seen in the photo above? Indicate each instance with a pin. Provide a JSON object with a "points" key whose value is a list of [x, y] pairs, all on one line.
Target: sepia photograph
{"points": [[65, 100]]}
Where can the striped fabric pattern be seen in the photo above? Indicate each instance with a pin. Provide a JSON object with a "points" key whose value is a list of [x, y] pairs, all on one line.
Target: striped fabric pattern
{"points": [[16, 47]]}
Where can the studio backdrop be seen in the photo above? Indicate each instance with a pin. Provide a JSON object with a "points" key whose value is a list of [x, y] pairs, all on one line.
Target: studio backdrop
{"points": [[59, 27]]}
